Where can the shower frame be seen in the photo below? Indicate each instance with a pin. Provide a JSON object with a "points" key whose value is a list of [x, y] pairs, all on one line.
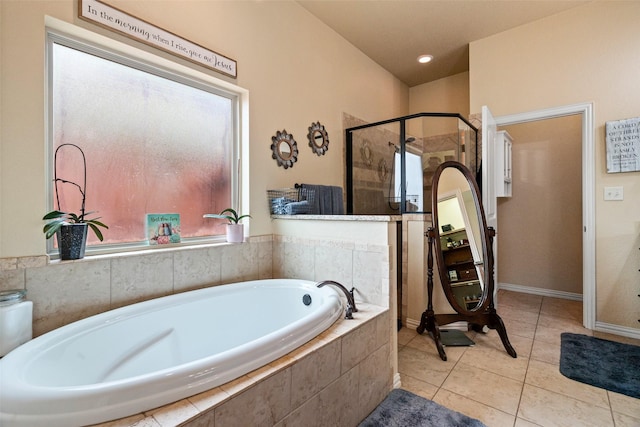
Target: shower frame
{"points": [[402, 137]]}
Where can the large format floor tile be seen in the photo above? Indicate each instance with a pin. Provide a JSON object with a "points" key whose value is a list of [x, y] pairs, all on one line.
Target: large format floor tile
{"points": [[484, 382]]}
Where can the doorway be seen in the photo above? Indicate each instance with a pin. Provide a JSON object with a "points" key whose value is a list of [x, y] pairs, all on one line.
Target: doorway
{"points": [[585, 111], [540, 234]]}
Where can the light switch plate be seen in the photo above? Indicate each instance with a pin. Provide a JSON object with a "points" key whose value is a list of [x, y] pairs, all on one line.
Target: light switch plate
{"points": [[613, 193]]}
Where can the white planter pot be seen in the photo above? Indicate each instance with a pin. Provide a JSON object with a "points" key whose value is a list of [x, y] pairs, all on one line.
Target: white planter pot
{"points": [[235, 233]]}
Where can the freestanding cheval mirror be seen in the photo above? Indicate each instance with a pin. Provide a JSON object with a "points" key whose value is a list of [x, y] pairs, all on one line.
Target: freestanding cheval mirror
{"points": [[464, 253]]}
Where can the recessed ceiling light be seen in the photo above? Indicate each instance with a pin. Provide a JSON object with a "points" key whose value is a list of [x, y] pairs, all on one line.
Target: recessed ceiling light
{"points": [[423, 59]]}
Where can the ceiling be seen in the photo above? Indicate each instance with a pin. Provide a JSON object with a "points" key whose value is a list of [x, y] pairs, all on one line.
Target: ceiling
{"points": [[395, 32]]}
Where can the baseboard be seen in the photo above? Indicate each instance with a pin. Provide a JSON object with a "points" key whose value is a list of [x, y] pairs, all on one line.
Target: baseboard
{"points": [[540, 291], [412, 323], [396, 380], [608, 328], [461, 326], [624, 331]]}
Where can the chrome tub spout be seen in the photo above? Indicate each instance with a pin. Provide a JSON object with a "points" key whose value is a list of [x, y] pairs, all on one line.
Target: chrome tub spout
{"points": [[351, 302]]}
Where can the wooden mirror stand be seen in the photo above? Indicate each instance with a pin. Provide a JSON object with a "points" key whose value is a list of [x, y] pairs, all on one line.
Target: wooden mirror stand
{"points": [[481, 314]]}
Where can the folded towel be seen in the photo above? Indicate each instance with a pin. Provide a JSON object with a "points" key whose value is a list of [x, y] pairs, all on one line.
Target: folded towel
{"points": [[279, 204], [296, 208]]}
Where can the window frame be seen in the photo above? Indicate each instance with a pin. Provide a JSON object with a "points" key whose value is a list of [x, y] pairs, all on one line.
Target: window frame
{"points": [[58, 32]]}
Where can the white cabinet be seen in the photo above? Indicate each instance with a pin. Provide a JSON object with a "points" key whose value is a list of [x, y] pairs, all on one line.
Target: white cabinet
{"points": [[502, 150]]}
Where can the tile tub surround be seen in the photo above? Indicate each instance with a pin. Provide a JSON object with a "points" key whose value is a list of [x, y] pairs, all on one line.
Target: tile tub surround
{"points": [[63, 292], [66, 291], [337, 378]]}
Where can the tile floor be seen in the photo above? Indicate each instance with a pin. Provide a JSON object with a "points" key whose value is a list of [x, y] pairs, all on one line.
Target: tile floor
{"points": [[484, 382]]}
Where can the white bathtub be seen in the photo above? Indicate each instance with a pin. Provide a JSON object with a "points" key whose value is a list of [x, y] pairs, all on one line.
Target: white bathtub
{"points": [[146, 355]]}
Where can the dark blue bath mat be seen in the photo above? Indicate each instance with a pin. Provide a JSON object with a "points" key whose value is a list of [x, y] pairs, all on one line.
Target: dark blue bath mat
{"points": [[404, 409], [602, 363]]}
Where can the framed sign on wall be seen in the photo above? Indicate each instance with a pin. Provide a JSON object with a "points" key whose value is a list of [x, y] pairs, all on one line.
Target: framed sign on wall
{"points": [[623, 145]]}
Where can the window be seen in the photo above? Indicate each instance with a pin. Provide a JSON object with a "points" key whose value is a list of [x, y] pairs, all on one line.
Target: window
{"points": [[155, 141]]}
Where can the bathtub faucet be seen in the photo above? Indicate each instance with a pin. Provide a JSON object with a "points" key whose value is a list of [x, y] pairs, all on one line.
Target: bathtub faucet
{"points": [[351, 302]]}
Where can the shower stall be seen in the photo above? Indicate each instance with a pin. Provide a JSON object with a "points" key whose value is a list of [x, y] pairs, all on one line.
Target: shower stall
{"points": [[390, 164], [389, 171]]}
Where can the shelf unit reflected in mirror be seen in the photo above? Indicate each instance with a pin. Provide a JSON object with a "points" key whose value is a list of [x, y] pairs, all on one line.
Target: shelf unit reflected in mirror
{"points": [[461, 268]]}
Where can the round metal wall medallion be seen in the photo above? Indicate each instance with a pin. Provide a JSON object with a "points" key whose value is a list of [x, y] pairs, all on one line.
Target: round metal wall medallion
{"points": [[284, 148], [318, 139]]}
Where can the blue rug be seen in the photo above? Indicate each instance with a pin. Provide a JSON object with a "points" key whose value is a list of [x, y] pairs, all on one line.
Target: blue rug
{"points": [[404, 409], [602, 363]]}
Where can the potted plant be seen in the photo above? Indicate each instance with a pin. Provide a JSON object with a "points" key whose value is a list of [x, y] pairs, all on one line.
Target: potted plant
{"points": [[70, 228], [235, 230]]}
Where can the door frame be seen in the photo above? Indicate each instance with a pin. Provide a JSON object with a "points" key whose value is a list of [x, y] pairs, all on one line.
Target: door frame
{"points": [[588, 194]]}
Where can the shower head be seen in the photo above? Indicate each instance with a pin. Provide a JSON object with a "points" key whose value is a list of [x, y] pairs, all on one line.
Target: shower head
{"points": [[406, 141]]}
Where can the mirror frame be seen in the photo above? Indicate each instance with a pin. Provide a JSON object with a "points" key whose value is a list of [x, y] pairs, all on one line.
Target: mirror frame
{"points": [[487, 270], [284, 138], [318, 132]]}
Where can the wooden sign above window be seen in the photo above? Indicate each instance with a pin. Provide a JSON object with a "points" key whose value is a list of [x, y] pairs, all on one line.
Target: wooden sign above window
{"points": [[116, 20]]}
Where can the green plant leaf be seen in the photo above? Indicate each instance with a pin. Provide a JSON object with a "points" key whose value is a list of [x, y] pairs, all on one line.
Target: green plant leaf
{"points": [[54, 214], [233, 218], [96, 230]]}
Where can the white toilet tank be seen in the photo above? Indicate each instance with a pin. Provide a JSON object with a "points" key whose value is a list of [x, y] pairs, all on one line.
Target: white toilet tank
{"points": [[15, 320]]}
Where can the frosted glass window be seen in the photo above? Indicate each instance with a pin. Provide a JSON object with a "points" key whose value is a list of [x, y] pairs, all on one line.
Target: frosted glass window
{"points": [[153, 144]]}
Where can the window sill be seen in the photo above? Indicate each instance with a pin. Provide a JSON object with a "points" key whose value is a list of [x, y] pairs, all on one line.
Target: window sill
{"points": [[112, 252]]}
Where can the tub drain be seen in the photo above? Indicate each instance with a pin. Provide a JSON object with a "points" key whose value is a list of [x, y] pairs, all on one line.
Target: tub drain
{"points": [[306, 299]]}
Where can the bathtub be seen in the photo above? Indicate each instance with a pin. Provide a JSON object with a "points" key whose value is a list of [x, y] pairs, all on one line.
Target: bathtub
{"points": [[149, 354]]}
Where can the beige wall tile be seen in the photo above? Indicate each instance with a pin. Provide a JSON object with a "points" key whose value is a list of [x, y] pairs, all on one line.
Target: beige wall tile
{"points": [[367, 277], [336, 405], [266, 403], [357, 345], [239, 262], [265, 259], [315, 372], [382, 328], [10, 263], [12, 279], [32, 261], [196, 268], [334, 263], [65, 292], [205, 420], [139, 278], [298, 261], [375, 379]]}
